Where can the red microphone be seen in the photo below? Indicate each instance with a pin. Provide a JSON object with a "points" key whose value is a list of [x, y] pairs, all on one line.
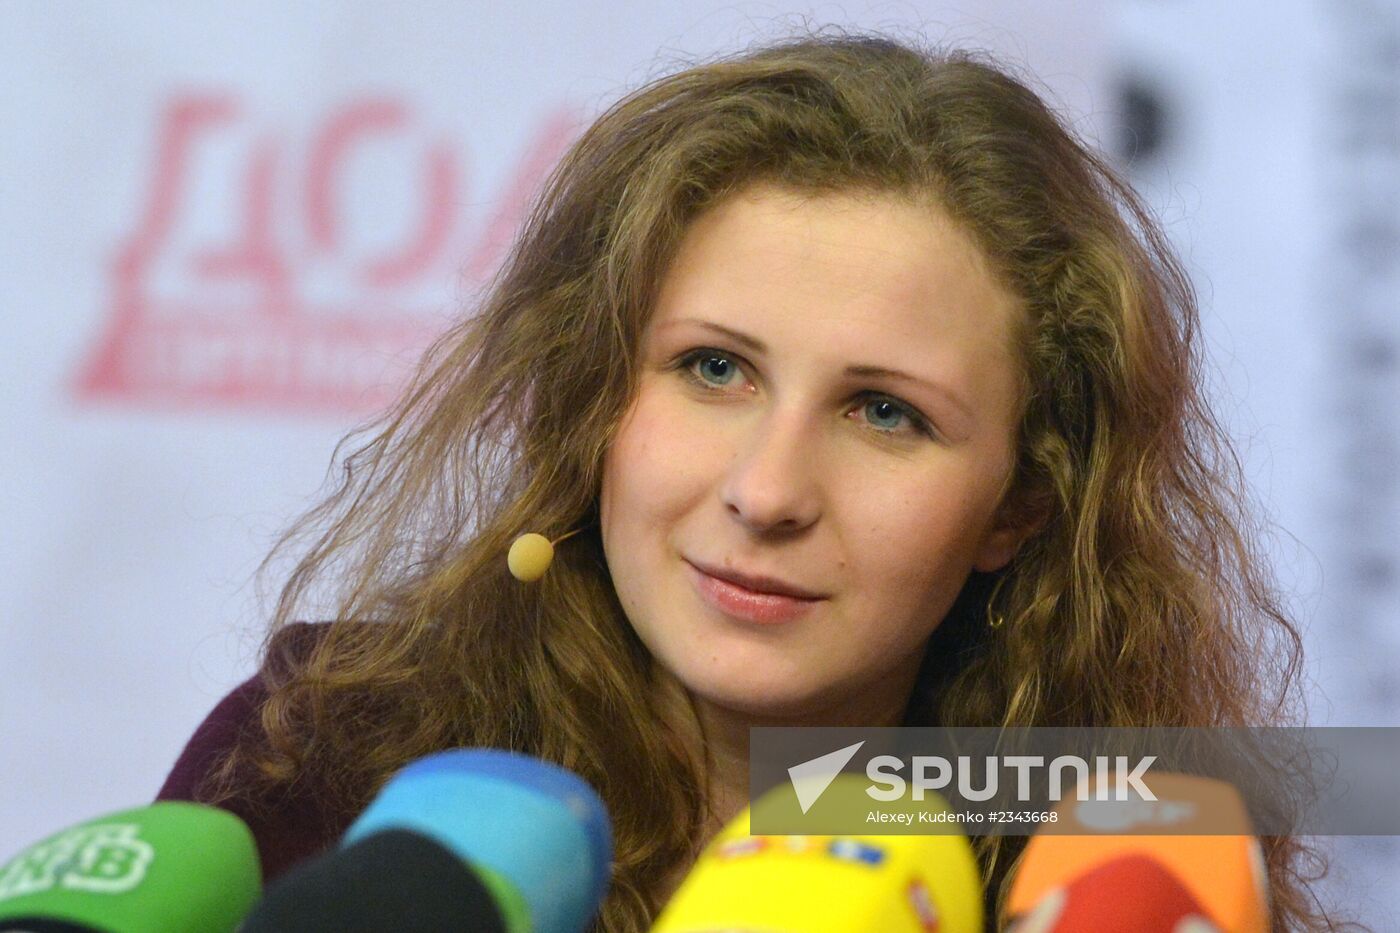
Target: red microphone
{"points": [[1131, 894]]}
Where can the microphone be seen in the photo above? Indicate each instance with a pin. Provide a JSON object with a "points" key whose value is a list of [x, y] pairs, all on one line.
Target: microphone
{"points": [[1224, 874], [391, 880], [167, 867], [475, 839], [1128, 894], [829, 884], [531, 554]]}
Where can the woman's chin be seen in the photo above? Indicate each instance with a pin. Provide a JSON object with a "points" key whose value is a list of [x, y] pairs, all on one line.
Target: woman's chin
{"points": [[761, 702], [762, 686]]}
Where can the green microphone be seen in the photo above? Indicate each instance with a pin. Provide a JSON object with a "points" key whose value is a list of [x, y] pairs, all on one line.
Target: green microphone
{"points": [[168, 866]]}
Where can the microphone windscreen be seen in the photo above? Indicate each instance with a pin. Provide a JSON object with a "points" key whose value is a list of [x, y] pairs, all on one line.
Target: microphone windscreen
{"points": [[529, 557], [539, 827], [1210, 851], [829, 883], [170, 866], [1129, 894], [394, 880]]}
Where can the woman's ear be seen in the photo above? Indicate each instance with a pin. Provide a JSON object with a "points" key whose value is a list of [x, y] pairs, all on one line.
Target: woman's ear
{"points": [[1006, 535]]}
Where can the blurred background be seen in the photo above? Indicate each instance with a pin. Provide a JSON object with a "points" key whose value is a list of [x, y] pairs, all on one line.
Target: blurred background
{"points": [[226, 231]]}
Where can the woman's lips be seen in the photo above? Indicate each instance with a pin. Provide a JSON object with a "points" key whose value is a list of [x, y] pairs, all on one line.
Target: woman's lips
{"points": [[734, 600]]}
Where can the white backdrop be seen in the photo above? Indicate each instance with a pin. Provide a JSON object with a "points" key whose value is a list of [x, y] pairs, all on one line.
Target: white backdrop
{"points": [[1279, 178], [221, 248]]}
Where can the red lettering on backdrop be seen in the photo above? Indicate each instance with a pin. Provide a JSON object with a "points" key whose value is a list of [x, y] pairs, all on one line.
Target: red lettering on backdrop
{"points": [[233, 319], [440, 192]]}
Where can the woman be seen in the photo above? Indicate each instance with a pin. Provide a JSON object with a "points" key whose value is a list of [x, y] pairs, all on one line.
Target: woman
{"points": [[1039, 523]]}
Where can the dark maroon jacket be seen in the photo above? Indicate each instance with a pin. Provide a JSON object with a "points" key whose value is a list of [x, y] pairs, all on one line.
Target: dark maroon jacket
{"points": [[289, 826]]}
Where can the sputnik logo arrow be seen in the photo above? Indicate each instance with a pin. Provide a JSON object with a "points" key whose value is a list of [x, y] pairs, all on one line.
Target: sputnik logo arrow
{"points": [[810, 779]]}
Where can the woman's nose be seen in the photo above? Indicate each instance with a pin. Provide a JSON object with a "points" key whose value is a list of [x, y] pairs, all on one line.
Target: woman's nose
{"points": [[773, 480]]}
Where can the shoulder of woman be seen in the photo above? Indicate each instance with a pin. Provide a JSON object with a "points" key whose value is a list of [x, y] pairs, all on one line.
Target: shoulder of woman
{"points": [[233, 715], [288, 826]]}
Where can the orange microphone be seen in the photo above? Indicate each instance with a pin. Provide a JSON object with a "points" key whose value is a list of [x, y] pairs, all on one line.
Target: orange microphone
{"points": [[1133, 893], [1209, 852], [531, 554]]}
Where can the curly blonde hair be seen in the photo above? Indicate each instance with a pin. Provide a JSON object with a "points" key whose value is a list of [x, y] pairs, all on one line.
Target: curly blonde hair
{"points": [[1143, 600]]}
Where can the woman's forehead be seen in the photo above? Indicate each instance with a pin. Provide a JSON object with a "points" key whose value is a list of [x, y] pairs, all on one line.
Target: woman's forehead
{"points": [[877, 266]]}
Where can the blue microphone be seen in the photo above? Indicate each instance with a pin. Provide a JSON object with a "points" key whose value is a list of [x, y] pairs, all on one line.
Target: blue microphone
{"points": [[474, 839], [538, 827]]}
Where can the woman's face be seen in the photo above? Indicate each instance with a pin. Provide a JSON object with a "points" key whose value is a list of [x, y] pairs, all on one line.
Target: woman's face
{"points": [[764, 443]]}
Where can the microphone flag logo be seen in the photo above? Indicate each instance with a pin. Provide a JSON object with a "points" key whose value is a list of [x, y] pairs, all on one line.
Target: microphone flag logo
{"points": [[107, 858]]}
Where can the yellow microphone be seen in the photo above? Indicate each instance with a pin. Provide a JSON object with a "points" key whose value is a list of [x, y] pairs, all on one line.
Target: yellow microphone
{"points": [[530, 555], [850, 883]]}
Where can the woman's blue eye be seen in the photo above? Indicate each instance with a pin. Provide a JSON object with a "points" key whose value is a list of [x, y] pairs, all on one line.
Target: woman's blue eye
{"points": [[724, 369], [889, 409]]}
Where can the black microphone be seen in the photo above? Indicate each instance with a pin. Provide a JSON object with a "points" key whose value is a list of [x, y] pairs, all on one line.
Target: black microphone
{"points": [[395, 879]]}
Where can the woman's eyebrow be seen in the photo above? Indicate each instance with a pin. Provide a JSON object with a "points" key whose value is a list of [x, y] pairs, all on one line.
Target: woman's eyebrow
{"points": [[752, 343], [862, 370], [900, 376]]}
